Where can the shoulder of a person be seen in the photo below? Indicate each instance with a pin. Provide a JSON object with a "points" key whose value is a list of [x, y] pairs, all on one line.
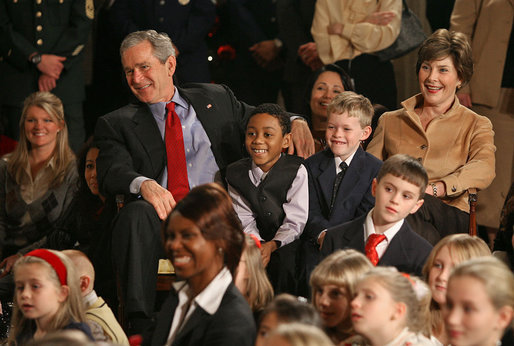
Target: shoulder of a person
{"points": [[421, 243], [319, 156], [472, 116], [127, 111]]}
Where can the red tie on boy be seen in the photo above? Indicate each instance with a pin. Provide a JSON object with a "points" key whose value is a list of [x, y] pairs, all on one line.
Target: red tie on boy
{"points": [[371, 247], [178, 183]]}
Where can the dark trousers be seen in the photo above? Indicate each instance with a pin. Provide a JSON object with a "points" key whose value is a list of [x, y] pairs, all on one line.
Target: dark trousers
{"points": [[436, 219], [373, 79], [136, 249], [282, 268]]}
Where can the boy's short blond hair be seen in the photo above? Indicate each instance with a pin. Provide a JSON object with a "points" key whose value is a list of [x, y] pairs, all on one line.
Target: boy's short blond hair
{"points": [[357, 106], [407, 168]]}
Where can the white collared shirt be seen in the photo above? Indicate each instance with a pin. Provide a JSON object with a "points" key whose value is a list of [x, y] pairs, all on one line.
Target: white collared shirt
{"points": [[209, 299], [369, 228], [338, 161]]}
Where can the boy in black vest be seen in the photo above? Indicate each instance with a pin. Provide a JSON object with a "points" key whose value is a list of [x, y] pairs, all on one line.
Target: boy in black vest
{"points": [[270, 193]]}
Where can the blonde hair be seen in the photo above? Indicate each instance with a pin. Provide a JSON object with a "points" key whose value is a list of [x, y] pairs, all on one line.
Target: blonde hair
{"points": [[63, 156], [402, 290], [299, 334], [72, 309], [496, 277], [462, 247], [259, 290], [357, 106]]}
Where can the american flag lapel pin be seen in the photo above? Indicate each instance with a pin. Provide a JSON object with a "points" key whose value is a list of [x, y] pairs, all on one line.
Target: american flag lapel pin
{"points": [[209, 106]]}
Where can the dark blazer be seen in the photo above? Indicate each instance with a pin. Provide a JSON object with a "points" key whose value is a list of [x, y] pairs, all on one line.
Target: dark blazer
{"points": [[353, 197], [231, 324], [407, 251], [131, 145]]}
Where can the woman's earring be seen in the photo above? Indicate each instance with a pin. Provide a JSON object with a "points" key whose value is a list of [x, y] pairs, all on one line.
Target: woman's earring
{"points": [[220, 251]]}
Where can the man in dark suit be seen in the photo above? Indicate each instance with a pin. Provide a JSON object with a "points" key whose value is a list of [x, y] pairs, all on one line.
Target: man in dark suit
{"points": [[133, 157], [41, 49]]}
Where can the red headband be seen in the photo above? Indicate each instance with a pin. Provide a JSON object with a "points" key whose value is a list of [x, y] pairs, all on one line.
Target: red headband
{"points": [[256, 240], [53, 260]]}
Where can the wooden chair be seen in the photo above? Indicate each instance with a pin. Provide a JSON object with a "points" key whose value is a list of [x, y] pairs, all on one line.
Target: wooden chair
{"points": [[473, 199]]}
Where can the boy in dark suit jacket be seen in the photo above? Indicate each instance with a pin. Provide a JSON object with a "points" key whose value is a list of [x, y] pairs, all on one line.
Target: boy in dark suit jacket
{"points": [[270, 193], [383, 234], [338, 195]]}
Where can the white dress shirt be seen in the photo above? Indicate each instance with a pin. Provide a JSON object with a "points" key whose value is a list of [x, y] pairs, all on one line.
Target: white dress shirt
{"points": [[369, 228]]}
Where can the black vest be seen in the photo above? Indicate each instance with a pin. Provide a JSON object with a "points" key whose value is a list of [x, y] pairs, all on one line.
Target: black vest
{"points": [[266, 199]]}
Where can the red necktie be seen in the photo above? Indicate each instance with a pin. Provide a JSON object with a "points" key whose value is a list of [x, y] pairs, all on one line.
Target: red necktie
{"points": [[178, 184], [371, 247]]}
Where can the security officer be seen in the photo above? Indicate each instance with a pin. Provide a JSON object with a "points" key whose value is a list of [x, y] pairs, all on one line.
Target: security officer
{"points": [[41, 44]]}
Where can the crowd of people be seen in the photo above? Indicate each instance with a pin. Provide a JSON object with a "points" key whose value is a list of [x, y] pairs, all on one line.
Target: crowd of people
{"points": [[327, 221]]}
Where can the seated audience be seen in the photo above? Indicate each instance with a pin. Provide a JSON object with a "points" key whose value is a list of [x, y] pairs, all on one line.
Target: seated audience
{"points": [[340, 176], [270, 193], [386, 309], [204, 241], [47, 297], [479, 302], [448, 252], [37, 183], [383, 234], [453, 143], [285, 309], [298, 334], [251, 278], [333, 284], [99, 316]]}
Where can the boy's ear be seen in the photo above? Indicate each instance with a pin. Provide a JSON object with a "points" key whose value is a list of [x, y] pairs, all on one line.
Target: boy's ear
{"points": [[366, 132], [374, 184], [64, 293], [286, 141], [418, 205]]}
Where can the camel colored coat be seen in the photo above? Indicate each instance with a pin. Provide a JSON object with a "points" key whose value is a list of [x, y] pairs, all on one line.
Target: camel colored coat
{"points": [[457, 147]]}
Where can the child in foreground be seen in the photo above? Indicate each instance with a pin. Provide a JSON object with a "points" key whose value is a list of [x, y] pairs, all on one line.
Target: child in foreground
{"points": [[333, 284], [479, 303], [47, 297], [270, 193], [387, 309], [382, 234]]}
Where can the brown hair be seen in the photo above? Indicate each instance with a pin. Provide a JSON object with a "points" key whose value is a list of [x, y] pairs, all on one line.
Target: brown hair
{"points": [[210, 208], [357, 106], [407, 168], [443, 43]]}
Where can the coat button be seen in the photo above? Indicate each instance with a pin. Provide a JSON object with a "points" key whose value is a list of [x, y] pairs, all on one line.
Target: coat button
{"points": [[39, 28], [454, 189], [38, 2], [423, 146], [162, 2], [38, 14], [420, 159], [263, 198], [161, 19], [39, 42], [268, 213]]}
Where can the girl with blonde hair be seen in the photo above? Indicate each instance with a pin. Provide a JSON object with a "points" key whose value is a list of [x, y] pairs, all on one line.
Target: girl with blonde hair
{"points": [[37, 181], [47, 297], [251, 278], [479, 302], [333, 284], [449, 251], [386, 309]]}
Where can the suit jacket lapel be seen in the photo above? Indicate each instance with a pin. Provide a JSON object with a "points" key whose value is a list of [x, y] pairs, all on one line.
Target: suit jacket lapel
{"points": [[327, 176], [148, 134], [351, 177], [354, 236], [195, 323], [395, 252]]}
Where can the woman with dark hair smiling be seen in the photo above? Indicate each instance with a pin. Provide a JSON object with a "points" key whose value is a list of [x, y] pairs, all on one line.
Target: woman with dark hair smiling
{"points": [[203, 238]]}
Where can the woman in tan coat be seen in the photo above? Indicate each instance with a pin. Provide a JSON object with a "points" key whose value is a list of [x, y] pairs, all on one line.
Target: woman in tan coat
{"points": [[454, 143]]}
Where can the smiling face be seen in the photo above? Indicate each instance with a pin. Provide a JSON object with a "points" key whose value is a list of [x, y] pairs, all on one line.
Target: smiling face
{"points": [[41, 128], [37, 295], [195, 259], [333, 305], [90, 171], [150, 80], [264, 140], [439, 274], [438, 81], [344, 134], [470, 317], [372, 311], [325, 88], [395, 198]]}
